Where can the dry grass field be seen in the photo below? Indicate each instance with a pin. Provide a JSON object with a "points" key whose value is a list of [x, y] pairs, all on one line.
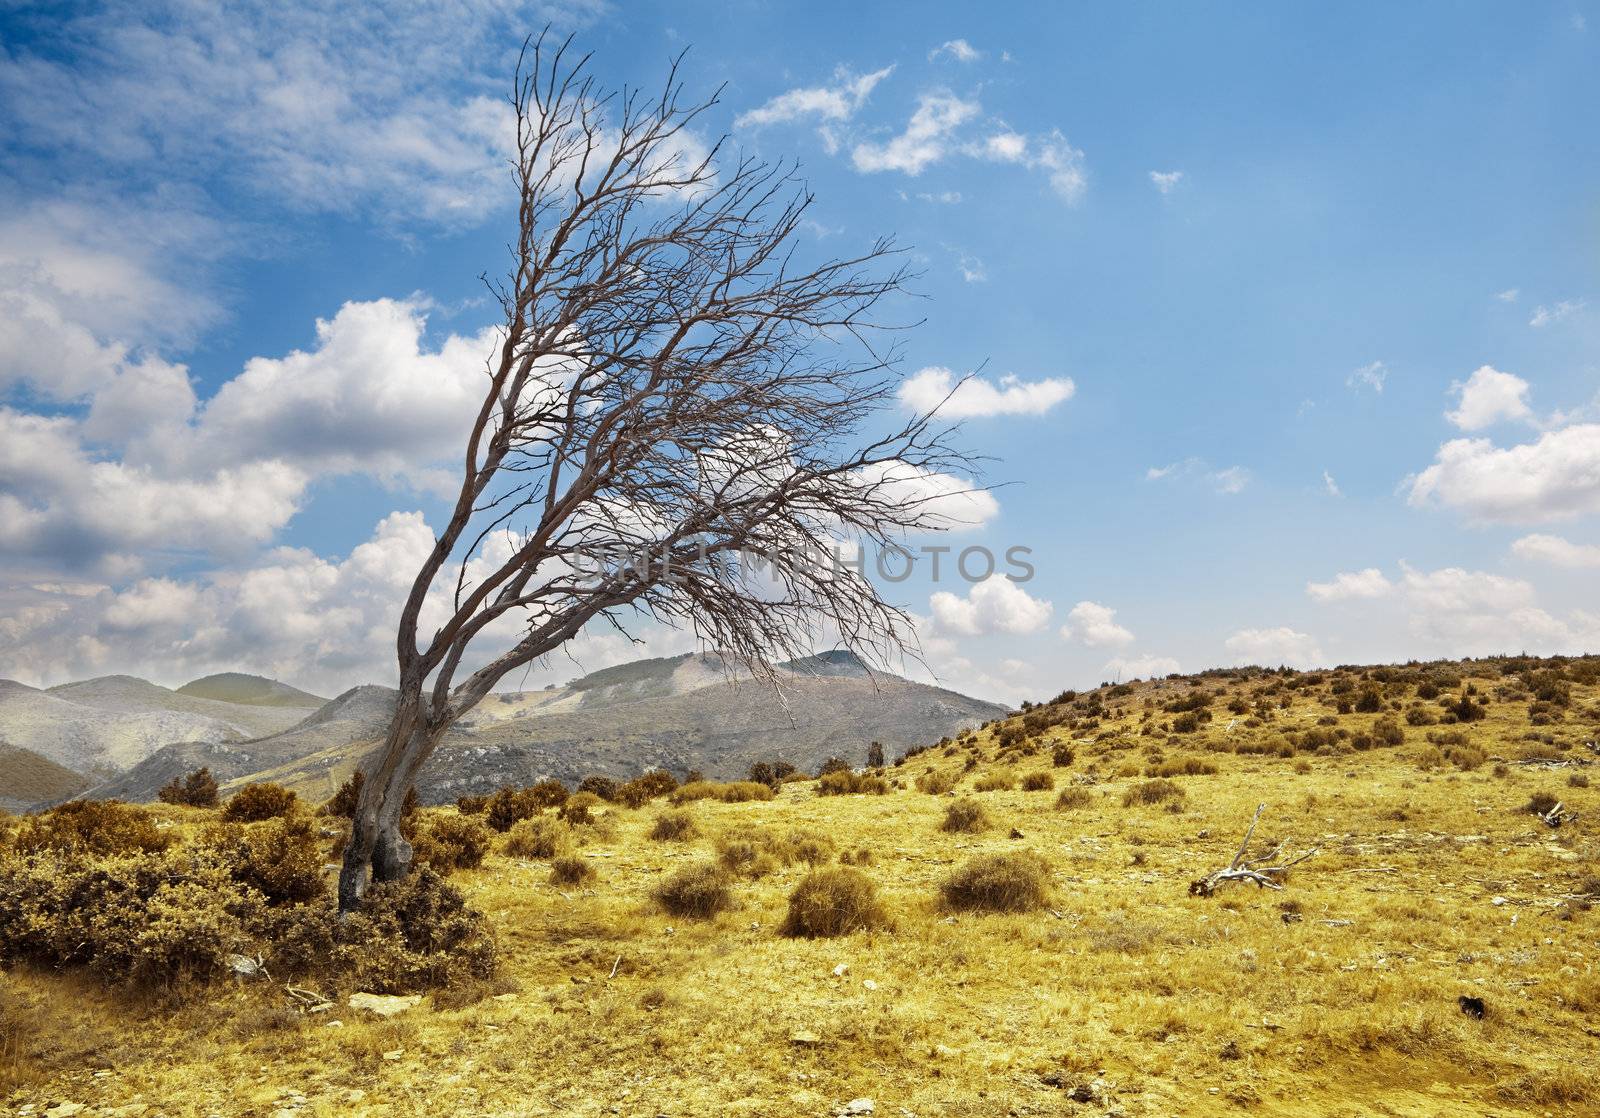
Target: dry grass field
{"points": [[1120, 994]]}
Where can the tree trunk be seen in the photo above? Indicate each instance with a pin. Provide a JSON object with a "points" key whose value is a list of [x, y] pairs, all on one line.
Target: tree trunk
{"points": [[377, 851]]}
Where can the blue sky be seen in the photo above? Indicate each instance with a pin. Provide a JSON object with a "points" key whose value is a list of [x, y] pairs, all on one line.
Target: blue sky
{"points": [[1260, 297]]}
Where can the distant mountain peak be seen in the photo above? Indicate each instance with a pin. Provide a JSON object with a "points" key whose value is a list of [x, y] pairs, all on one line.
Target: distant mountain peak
{"points": [[249, 690], [834, 662]]}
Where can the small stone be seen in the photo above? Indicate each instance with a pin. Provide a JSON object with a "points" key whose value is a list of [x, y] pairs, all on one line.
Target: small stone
{"points": [[65, 1110], [334, 1024], [1498, 901], [841, 970], [869, 984], [505, 997], [859, 1106], [384, 1005], [805, 1039], [394, 1054]]}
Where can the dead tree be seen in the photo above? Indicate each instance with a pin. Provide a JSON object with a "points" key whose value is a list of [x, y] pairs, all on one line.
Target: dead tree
{"points": [[1556, 816], [671, 426], [1265, 872]]}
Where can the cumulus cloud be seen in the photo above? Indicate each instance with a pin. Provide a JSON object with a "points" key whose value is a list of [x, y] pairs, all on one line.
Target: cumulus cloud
{"points": [[995, 605], [1274, 647], [1557, 551], [1509, 295], [1096, 626], [951, 503], [979, 397], [1553, 478], [925, 140], [1330, 486], [1050, 153], [1487, 397], [1141, 667], [836, 102], [1368, 583], [958, 49], [1166, 181]]}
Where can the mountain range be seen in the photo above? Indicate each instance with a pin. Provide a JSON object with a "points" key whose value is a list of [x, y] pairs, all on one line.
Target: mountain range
{"points": [[118, 736]]}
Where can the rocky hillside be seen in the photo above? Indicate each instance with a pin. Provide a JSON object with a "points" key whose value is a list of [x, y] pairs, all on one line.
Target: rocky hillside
{"points": [[678, 713]]}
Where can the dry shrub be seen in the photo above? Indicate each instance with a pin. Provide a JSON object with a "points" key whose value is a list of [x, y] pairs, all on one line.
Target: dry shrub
{"points": [[1041, 781], [539, 837], [256, 802], [757, 851], [1073, 797], [998, 781], [935, 783], [509, 806], [674, 826], [738, 791], [577, 811], [1152, 792], [570, 870], [282, 858], [1182, 766], [413, 934], [843, 782], [198, 789], [699, 890], [99, 827], [965, 817], [646, 787], [834, 902], [1541, 803], [472, 805], [450, 842], [1016, 882]]}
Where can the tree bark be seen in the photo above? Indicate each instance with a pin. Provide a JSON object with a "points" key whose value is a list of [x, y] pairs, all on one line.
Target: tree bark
{"points": [[377, 851]]}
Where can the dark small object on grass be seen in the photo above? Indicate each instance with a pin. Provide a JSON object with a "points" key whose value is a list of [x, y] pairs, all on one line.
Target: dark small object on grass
{"points": [[1472, 1007], [1015, 833]]}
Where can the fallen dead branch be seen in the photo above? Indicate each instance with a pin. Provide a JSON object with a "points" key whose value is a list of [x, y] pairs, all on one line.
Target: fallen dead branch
{"points": [[1556, 815], [1265, 872]]}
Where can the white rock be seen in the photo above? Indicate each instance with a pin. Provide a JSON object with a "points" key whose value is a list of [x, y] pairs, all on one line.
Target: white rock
{"points": [[869, 984], [841, 970], [859, 1106], [65, 1110], [1497, 901], [385, 1005], [394, 1054]]}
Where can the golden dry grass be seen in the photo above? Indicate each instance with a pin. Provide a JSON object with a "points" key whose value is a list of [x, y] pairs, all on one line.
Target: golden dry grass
{"points": [[1336, 996]]}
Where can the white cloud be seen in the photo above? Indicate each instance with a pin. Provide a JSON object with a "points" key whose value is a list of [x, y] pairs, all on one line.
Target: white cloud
{"points": [[1274, 647], [1141, 667], [958, 49], [1228, 481], [976, 396], [1547, 316], [926, 138], [1331, 486], [995, 605], [1487, 397], [1555, 477], [1166, 181], [1062, 163], [1095, 625], [954, 504], [1557, 552], [837, 102], [1369, 376], [1368, 583], [1509, 295], [971, 268]]}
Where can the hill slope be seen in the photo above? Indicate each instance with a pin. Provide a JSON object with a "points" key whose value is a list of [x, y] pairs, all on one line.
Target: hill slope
{"points": [[28, 780], [249, 690]]}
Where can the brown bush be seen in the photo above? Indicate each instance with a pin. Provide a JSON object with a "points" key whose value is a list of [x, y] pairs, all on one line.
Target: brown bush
{"points": [[1153, 792], [100, 827], [965, 817], [1182, 766], [450, 842], [570, 870], [1040, 781], [1018, 882], [834, 902], [997, 781], [538, 837], [1074, 796], [699, 890], [577, 811], [935, 783], [1062, 756], [674, 826], [1386, 731], [280, 858], [256, 802], [509, 806], [198, 789], [843, 782], [472, 805], [739, 791]]}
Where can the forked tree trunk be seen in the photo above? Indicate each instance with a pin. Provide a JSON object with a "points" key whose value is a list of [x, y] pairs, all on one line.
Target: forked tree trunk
{"points": [[377, 850]]}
